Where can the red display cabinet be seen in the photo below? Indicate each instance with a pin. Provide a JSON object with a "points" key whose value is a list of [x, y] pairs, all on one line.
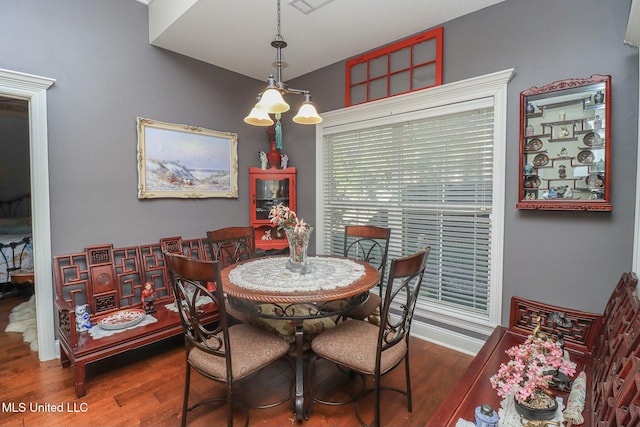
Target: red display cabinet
{"points": [[269, 187]]}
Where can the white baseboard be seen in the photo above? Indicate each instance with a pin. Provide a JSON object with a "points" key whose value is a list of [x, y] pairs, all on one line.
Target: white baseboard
{"points": [[446, 338]]}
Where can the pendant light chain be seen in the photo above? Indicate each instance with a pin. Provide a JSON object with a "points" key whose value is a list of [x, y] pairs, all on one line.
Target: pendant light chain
{"points": [[278, 35], [271, 100]]}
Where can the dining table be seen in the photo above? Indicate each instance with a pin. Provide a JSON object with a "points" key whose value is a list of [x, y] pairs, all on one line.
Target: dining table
{"points": [[264, 288]]}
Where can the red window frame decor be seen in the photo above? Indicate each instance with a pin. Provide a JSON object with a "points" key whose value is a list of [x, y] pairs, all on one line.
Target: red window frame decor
{"points": [[366, 74]]}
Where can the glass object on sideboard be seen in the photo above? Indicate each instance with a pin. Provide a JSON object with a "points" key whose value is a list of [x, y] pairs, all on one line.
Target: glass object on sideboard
{"points": [[565, 145]]}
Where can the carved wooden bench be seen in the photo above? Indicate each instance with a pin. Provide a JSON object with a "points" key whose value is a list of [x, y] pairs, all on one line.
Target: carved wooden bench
{"points": [[606, 347], [109, 279]]}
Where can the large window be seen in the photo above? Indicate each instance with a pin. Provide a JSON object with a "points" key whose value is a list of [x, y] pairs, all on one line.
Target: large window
{"points": [[430, 166]]}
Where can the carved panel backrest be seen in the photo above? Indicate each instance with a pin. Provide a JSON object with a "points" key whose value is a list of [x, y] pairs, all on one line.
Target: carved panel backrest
{"points": [[196, 248], [579, 333], [616, 362], [71, 274], [154, 269], [129, 275], [104, 295], [107, 278]]}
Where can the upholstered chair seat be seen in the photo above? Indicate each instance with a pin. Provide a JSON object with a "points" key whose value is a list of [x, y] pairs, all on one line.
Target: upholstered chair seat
{"points": [[252, 349], [358, 342]]}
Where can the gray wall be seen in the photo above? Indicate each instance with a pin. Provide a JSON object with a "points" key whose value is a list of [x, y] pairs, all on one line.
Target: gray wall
{"points": [[107, 74], [568, 258]]}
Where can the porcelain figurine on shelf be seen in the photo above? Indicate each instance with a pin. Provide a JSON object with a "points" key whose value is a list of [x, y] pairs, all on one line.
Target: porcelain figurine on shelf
{"points": [[568, 193], [528, 168], [284, 159], [148, 298], [597, 123], [562, 171], [564, 132], [563, 152], [266, 235], [263, 160], [83, 323]]}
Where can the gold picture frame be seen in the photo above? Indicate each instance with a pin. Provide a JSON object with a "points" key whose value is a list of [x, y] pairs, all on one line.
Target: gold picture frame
{"points": [[182, 161]]}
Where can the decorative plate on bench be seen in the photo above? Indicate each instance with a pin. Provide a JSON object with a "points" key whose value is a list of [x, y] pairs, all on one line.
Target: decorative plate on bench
{"points": [[122, 319]]}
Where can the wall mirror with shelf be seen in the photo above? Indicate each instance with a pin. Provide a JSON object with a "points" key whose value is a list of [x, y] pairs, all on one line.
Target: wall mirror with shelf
{"points": [[565, 145]]}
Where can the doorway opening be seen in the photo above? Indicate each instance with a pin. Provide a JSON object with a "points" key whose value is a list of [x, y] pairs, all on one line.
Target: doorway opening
{"points": [[33, 89]]}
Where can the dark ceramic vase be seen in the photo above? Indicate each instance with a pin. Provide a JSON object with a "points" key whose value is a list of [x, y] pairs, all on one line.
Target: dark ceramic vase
{"points": [[598, 98], [537, 414], [530, 108]]}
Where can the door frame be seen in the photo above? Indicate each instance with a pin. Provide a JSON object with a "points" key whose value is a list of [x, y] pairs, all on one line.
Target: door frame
{"points": [[33, 89]]}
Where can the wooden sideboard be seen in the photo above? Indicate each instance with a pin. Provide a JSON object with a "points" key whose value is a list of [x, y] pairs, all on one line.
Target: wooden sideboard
{"points": [[606, 347]]}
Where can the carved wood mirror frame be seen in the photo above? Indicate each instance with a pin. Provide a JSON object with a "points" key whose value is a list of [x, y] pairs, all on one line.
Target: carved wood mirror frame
{"points": [[565, 145]]}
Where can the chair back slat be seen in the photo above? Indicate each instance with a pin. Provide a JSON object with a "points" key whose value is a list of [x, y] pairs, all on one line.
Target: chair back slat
{"points": [[197, 287], [402, 290], [232, 244], [368, 243]]}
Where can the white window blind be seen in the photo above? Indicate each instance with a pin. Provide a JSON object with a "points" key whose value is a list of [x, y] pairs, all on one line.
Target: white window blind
{"points": [[430, 180], [429, 175]]}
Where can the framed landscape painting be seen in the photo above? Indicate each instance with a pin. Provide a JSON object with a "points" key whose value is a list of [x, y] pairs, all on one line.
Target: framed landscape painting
{"points": [[182, 161]]}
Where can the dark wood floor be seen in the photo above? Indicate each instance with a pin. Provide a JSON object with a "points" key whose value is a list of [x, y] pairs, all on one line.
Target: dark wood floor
{"points": [[145, 387]]}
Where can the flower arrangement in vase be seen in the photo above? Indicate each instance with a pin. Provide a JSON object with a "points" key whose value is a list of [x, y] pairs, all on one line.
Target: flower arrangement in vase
{"points": [[298, 233], [529, 373]]}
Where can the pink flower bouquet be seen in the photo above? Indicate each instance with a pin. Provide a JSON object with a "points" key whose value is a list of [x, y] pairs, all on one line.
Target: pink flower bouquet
{"points": [[531, 368]]}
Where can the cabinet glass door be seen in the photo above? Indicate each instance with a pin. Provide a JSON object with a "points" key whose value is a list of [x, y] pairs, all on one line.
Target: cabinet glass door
{"points": [[269, 193]]}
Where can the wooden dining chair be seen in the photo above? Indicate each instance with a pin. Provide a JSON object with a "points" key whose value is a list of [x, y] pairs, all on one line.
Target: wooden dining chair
{"points": [[371, 350], [220, 352], [370, 244], [231, 244]]}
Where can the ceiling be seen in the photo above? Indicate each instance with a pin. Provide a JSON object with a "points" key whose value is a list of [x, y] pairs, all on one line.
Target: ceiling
{"points": [[237, 34]]}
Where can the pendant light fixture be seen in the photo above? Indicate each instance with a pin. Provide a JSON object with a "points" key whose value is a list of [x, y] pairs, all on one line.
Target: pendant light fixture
{"points": [[271, 100]]}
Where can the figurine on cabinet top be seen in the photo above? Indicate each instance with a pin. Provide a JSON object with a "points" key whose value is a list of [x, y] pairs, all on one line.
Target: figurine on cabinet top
{"points": [[263, 160], [284, 159]]}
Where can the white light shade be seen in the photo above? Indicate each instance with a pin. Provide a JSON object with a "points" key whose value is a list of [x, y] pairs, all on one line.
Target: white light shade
{"points": [[307, 115], [272, 102], [258, 118]]}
